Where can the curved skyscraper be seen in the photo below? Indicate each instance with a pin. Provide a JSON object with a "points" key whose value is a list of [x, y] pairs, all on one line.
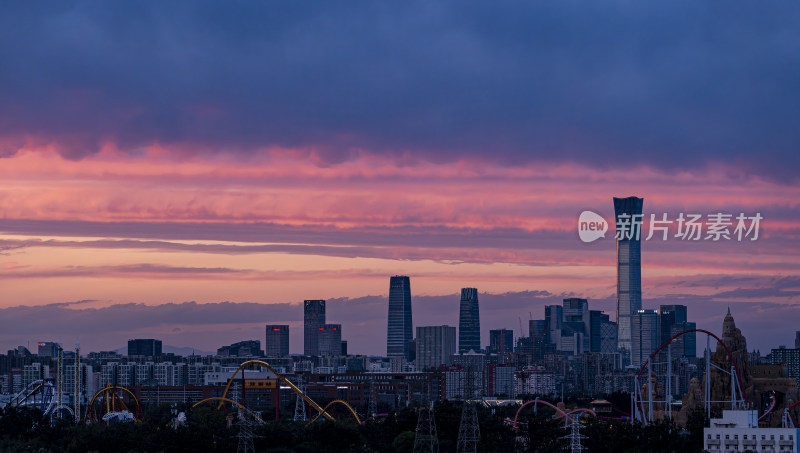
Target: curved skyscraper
{"points": [[627, 213], [469, 322], [400, 333]]}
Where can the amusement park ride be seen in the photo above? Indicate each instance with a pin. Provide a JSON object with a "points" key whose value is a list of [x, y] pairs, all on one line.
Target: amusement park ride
{"points": [[113, 404]]}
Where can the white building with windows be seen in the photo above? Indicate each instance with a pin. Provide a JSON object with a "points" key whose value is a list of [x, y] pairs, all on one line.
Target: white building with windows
{"points": [[738, 431]]}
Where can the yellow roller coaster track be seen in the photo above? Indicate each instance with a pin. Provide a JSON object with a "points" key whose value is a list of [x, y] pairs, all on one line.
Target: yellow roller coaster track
{"points": [[350, 408], [110, 389], [282, 379]]}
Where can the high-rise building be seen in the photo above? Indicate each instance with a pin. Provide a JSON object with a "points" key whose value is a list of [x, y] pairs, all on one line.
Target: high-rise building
{"points": [[789, 358], [576, 326], [628, 215], [469, 322], [797, 340], [47, 349], [646, 335], [435, 346], [330, 340], [537, 329], [671, 315], [501, 341], [552, 318], [603, 332], [400, 331], [313, 320], [686, 344], [277, 341], [144, 347]]}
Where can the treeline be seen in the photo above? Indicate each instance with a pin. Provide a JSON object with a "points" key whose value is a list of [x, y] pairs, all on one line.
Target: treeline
{"points": [[25, 430]]}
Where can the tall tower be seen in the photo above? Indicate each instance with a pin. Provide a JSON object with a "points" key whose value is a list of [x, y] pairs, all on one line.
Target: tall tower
{"points": [[400, 333], [629, 267], [313, 320], [469, 322]]}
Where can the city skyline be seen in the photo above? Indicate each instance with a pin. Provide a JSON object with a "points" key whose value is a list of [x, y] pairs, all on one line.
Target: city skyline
{"points": [[231, 161]]}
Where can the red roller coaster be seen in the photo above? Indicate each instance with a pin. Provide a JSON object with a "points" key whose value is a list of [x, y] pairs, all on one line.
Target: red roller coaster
{"points": [[639, 412], [557, 409]]}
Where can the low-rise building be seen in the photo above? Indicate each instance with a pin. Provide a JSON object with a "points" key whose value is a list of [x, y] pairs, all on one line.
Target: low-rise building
{"points": [[738, 430]]}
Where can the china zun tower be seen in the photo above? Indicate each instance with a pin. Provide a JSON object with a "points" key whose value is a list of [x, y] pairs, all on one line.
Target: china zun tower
{"points": [[627, 213]]}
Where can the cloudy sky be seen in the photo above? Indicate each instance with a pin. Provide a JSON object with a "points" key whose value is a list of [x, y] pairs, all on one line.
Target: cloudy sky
{"points": [[193, 170]]}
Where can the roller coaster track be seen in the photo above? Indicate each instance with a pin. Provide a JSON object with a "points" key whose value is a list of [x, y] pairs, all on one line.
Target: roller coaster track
{"points": [[557, 409], [771, 407], [226, 400], [350, 408], [710, 334], [27, 396], [289, 383], [111, 397]]}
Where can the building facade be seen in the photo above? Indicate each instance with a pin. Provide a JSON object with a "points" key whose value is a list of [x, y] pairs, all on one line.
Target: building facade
{"points": [[739, 431], [629, 267], [400, 328], [277, 340], [469, 322], [646, 335], [501, 341], [435, 346], [144, 347], [313, 320], [330, 340]]}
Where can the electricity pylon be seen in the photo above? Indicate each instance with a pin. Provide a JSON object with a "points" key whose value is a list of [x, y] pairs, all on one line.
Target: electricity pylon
{"points": [[426, 439]]}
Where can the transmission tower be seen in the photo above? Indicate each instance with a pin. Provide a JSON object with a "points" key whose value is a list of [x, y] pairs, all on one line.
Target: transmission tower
{"points": [[300, 409], [245, 435], [426, 440], [468, 431], [574, 437], [372, 410]]}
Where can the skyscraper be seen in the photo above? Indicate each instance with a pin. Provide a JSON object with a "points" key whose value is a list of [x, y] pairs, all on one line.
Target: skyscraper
{"points": [[537, 329], [671, 315], [469, 322], [686, 344], [330, 340], [400, 331], [603, 333], [313, 320], [576, 325], [435, 346], [629, 266], [553, 315], [645, 338], [501, 341], [277, 344]]}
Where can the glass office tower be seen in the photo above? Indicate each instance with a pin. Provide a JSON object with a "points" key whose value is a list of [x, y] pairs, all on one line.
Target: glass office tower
{"points": [[400, 331], [629, 269]]}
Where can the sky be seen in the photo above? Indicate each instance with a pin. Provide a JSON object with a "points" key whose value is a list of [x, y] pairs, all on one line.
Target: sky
{"points": [[192, 171]]}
